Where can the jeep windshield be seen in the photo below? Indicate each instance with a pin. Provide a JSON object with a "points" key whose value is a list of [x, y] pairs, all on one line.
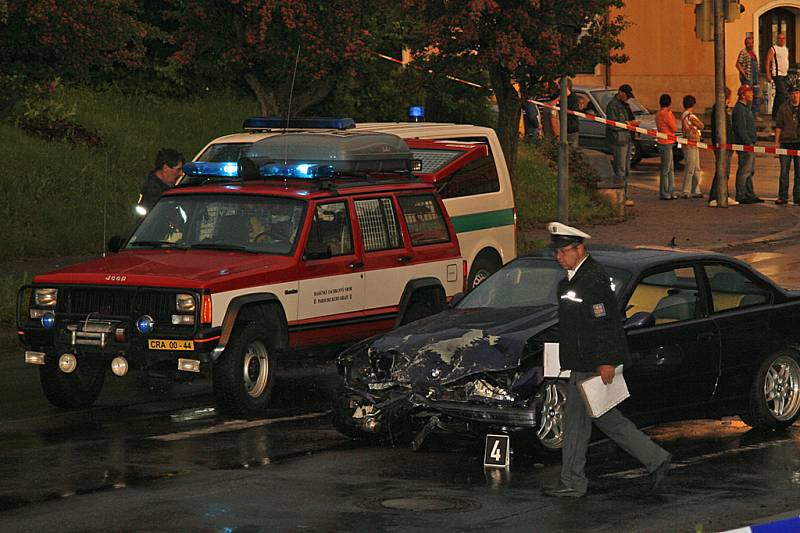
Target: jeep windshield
{"points": [[253, 224]]}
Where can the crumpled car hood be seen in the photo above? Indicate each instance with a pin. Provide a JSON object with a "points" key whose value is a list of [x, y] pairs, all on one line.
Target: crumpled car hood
{"points": [[461, 342]]}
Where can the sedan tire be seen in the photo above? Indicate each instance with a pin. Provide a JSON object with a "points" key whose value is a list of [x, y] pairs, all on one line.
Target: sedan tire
{"points": [[549, 405], [774, 400]]}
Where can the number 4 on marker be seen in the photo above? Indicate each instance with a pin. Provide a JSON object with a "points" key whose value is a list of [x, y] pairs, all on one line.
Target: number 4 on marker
{"points": [[497, 448]]}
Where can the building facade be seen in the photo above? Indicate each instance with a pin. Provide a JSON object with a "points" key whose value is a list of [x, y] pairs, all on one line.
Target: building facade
{"points": [[666, 55]]}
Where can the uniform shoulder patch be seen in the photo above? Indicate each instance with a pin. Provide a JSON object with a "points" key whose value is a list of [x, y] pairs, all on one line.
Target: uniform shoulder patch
{"points": [[599, 310]]}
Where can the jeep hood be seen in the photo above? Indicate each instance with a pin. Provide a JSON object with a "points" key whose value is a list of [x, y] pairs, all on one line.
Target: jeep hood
{"points": [[461, 342], [168, 268]]}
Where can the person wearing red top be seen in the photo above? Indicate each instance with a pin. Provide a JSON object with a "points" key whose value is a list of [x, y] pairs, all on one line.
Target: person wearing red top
{"points": [[666, 123]]}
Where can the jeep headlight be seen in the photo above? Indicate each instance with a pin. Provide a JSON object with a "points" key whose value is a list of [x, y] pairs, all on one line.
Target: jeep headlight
{"points": [[45, 297], [184, 306], [184, 303]]}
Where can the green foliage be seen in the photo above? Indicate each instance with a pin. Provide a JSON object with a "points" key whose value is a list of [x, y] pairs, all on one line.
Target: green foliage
{"points": [[536, 191], [9, 285], [62, 199]]}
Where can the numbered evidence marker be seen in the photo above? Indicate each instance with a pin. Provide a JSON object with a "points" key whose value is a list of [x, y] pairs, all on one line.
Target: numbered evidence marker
{"points": [[497, 448]]}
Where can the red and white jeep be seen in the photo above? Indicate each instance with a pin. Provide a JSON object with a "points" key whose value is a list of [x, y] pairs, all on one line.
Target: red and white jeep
{"points": [[321, 239]]}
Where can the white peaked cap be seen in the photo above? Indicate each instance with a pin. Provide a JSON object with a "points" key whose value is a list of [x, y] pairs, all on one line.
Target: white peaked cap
{"points": [[563, 235]]}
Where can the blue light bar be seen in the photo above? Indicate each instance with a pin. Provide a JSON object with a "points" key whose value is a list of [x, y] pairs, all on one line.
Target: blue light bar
{"points": [[311, 123], [302, 171], [227, 168], [416, 112]]}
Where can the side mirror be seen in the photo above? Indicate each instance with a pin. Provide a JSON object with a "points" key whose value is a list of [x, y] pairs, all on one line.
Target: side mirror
{"points": [[317, 250], [642, 319], [457, 297], [116, 243]]}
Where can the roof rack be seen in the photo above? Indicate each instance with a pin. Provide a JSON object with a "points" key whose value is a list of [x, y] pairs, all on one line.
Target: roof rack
{"points": [[308, 123], [312, 156]]}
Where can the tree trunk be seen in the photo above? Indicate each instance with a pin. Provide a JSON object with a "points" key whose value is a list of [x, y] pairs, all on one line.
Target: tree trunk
{"points": [[510, 110], [266, 99]]}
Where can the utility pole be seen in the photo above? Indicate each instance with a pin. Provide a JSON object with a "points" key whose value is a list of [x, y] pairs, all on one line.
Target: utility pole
{"points": [[719, 104], [563, 155]]}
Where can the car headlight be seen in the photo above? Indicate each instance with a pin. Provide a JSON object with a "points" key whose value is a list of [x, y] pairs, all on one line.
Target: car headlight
{"points": [[45, 297], [184, 303]]}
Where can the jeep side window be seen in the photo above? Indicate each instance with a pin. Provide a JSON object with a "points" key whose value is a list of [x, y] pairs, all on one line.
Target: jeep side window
{"points": [[424, 219], [330, 231], [378, 223]]}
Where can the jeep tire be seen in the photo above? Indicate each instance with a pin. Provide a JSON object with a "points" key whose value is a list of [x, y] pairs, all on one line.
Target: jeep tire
{"points": [[79, 388], [244, 375]]}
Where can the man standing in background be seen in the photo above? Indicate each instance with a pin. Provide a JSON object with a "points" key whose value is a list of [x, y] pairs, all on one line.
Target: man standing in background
{"points": [[747, 65], [787, 135], [619, 139], [777, 71], [744, 132]]}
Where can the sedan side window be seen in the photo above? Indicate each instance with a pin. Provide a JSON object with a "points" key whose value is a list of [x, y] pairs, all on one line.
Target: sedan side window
{"points": [[732, 289], [670, 296]]}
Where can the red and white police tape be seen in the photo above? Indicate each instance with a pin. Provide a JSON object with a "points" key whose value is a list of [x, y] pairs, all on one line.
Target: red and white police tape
{"points": [[643, 131], [681, 140]]}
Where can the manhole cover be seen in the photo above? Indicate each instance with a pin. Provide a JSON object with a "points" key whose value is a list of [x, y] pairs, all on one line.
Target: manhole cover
{"points": [[425, 503]]}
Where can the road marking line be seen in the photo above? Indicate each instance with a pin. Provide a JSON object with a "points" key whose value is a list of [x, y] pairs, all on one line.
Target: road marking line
{"points": [[234, 425], [641, 472]]}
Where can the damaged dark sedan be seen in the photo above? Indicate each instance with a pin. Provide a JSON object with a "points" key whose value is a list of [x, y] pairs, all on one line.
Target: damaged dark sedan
{"points": [[709, 336]]}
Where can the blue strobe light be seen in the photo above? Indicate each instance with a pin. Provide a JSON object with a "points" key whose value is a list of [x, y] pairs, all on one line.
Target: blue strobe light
{"points": [[145, 324], [416, 113], [203, 168], [48, 320]]}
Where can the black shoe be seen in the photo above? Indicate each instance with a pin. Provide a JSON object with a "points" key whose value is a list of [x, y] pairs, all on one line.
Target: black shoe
{"points": [[562, 491], [781, 201], [757, 200], [657, 475], [746, 201]]}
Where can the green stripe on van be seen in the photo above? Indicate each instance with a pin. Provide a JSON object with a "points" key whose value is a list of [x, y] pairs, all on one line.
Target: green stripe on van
{"points": [[487, 219]]}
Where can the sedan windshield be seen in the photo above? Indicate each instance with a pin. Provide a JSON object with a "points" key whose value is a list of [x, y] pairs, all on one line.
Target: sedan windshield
{"points": [[527, 283], [223, 152], [256, 224]]}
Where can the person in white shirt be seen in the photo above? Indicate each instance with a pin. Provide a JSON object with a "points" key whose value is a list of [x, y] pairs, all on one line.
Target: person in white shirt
{"points": [[778, 71]]}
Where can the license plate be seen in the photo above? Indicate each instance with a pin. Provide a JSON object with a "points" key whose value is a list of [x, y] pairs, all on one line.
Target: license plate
{"points": [[157, 344]]}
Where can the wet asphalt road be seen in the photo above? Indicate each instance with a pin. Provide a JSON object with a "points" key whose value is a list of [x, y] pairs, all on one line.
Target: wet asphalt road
{"points": [[143, 460]]}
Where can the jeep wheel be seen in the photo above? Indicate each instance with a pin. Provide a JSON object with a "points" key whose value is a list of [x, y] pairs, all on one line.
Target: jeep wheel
{"points": [[79, 388], [774, 400], [245, 373], [482, 268]]}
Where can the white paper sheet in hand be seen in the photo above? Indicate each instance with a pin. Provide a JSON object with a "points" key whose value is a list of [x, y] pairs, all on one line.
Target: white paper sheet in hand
{"points": [[601, 398], [552, 364]]}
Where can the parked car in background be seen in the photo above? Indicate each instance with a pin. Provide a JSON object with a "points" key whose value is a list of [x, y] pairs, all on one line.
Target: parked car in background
{"points": [[593, 134], [709, 336]]}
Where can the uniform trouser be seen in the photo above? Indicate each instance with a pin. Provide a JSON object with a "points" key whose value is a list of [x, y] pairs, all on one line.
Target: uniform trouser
{"points": [[783, 181], [726, 172], [691, 178], [622, 162], [578, 430], [667, 187], [780, 94], [744, 176]]}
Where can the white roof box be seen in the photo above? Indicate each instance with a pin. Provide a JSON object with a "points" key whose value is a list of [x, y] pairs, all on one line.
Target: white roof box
{"points": [[345, 152]]}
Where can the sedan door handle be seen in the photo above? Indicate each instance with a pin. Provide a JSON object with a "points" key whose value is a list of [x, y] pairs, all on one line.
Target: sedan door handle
{"points": [[404, 259], [355, 264], [705, 337]]}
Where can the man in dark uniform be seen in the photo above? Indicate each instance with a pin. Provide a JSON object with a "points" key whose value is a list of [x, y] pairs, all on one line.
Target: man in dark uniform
{"points": [[165, 173], [592, 342]]}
